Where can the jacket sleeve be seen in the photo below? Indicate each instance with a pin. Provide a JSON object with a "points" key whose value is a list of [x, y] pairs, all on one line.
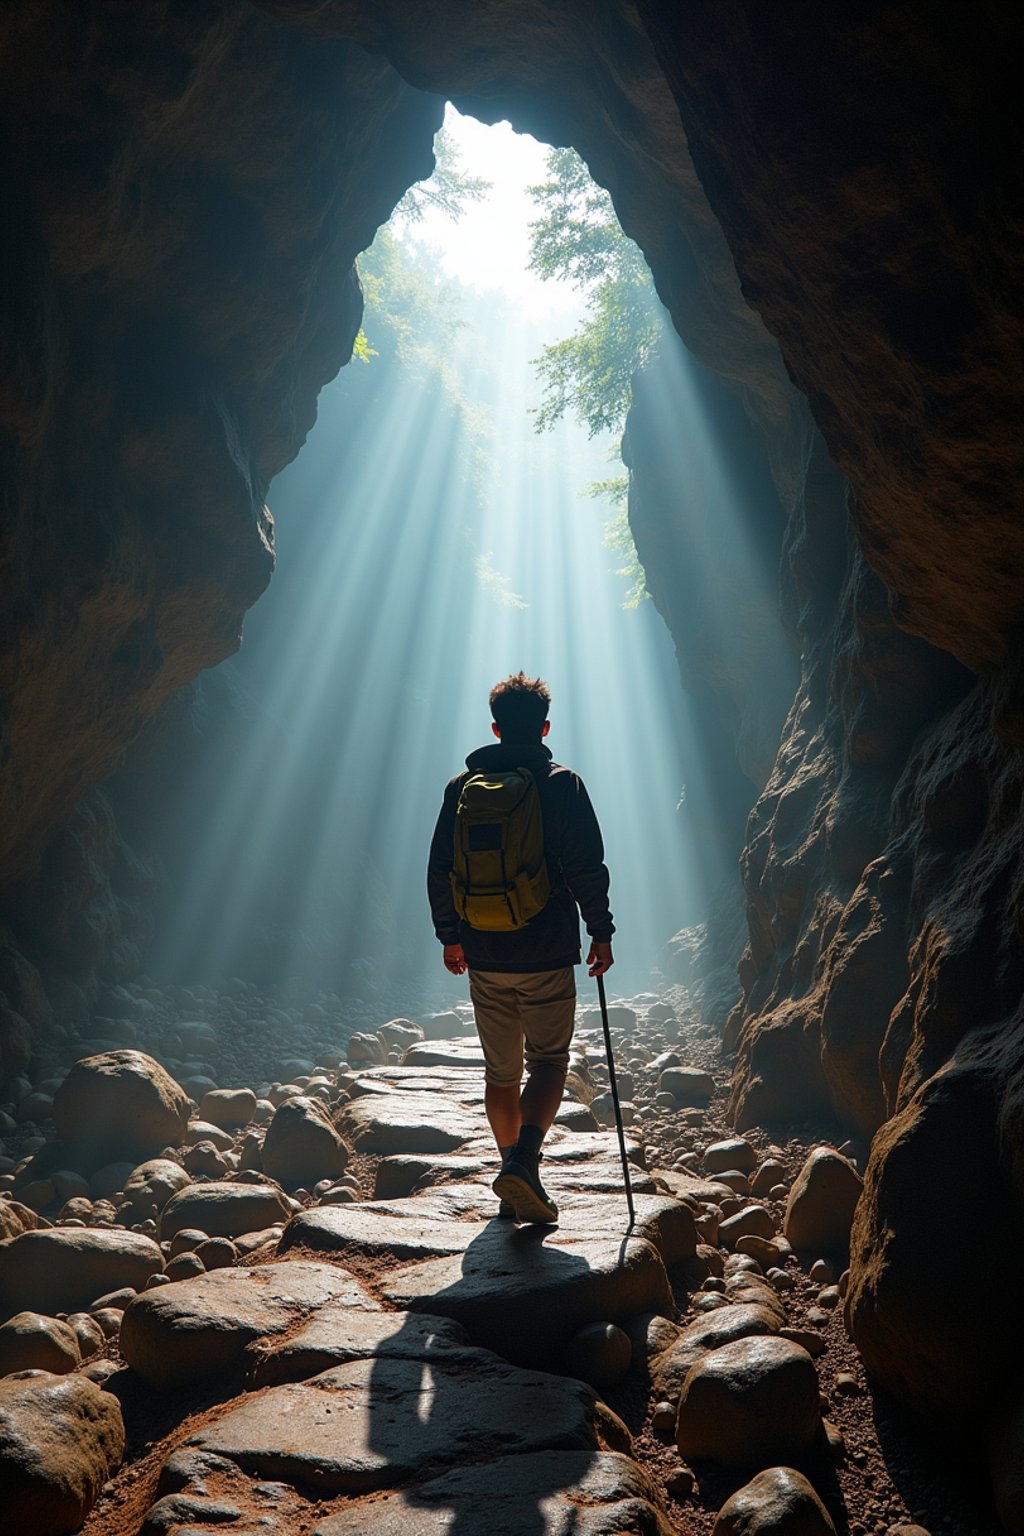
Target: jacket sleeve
{"points": [[583, 862], [439, 864]]}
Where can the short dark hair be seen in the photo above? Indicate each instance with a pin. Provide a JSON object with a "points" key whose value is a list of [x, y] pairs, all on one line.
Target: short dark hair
{"points": [[519, 705]]}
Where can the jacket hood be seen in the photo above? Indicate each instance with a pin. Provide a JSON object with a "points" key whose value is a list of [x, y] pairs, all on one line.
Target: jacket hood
{"points": [[501, 755]]}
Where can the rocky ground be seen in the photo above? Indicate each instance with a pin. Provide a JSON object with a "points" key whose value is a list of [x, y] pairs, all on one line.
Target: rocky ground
{"points": [[252, 1280]]}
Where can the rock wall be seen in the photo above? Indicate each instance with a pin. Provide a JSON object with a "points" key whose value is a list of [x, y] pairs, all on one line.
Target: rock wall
{"points": [[864, 173], [190, 189]]}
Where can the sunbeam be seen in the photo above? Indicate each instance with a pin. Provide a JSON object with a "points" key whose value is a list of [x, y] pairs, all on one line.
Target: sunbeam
{"points": [[430, 541]]}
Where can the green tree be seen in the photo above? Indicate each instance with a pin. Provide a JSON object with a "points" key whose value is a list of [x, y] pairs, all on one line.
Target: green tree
{"points": [[577, 238], [448, 188]]}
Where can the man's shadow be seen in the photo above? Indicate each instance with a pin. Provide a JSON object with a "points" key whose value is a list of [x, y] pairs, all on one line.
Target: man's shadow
{"points": [[445, 1415]]}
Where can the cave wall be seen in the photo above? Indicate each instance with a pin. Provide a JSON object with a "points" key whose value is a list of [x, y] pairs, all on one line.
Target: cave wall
{"points": [[187, 189], [828, 200]]}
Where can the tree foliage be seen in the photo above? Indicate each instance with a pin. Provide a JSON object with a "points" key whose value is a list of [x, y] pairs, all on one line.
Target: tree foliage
{"points": [[448, 189], [577, 238], [618, 537]]}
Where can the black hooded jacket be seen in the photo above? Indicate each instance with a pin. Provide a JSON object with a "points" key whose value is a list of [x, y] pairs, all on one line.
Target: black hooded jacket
{"points": [[575, 859]]}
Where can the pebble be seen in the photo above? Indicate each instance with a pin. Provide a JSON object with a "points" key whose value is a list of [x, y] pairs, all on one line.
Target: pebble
{"points": [[681, 1483]]}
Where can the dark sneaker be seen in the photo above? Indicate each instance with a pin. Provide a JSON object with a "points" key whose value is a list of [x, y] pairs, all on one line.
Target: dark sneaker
{"points": [[520, 1186], [506, 1212]]}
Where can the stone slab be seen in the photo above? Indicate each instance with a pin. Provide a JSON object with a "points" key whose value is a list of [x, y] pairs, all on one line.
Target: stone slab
{"points": [[338, 1333], [198, 1327], [450, 1217], [524, 1291], [445, 1053], [547, 1493], [460, 1084], [375, 1423], [408, 1122]]}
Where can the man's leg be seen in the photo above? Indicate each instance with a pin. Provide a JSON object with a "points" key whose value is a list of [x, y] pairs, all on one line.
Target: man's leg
{"points": [[548, 1007], [496, 1011], [501, 1101]]}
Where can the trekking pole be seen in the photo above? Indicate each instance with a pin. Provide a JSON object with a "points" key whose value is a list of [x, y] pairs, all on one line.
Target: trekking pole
{"points": [[615, 1101]]}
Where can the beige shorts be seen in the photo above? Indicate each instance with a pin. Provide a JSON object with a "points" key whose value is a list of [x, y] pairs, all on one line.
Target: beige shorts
{"points": [[513, 1008]]}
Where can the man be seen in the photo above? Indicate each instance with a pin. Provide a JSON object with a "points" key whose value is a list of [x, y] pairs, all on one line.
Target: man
{"points": [[521, 982]]}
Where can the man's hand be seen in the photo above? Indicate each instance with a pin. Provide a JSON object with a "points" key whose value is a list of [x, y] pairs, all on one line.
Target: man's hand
{"points": [[455, 959], [600, 959]]}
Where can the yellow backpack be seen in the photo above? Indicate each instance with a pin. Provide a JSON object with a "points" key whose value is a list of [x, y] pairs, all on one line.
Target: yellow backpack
{"points": [[499, 874]]}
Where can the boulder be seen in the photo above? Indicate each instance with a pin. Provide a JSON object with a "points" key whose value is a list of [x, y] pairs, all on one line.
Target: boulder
{"points": [[16, 1217], [735, 1153], [64, 1269], [302, 1145], [195, 1328], [444, 1026], [769, 1176], [752, 1221], [119, 1105], [399, 1034], [151, 1185], [577, 1117], [31, 1342], [365, 1050], [722, 1325], [61, 1438], [203, 1130], [822, 1200], [229, 1108], [687, 1085], [751, 1403], [224, 1210], [599, 1354], [777, 1502]]}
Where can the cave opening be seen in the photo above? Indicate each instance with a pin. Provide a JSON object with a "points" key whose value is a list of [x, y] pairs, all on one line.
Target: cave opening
{"points": [[460, 511]]}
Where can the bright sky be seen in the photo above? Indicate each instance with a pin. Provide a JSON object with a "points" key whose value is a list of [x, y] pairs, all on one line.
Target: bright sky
{"points": [[488, 247]]}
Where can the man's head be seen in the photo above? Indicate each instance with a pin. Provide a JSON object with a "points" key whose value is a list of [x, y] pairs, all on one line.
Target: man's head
{"points": [[519, 705]]}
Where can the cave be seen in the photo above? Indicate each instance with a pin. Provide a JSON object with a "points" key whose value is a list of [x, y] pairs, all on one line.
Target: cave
{"points": [[828, 199]]}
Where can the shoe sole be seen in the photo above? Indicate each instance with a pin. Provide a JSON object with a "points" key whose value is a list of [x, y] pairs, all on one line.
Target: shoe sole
{"points": [[526, 1202]]}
